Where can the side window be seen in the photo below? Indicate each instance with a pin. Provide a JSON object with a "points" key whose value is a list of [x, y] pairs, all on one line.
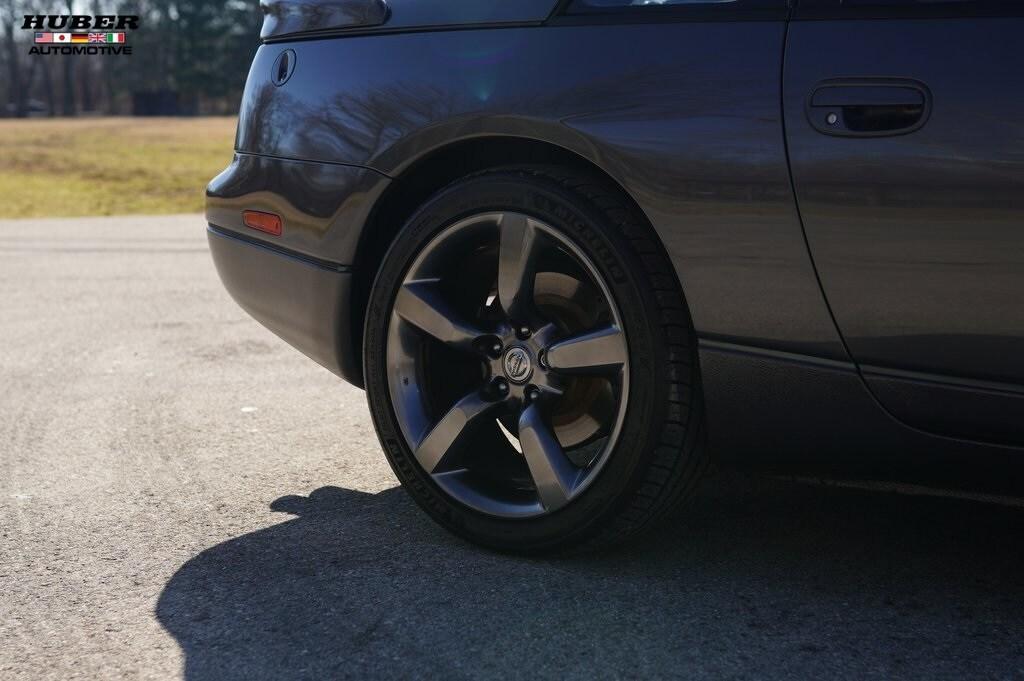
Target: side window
{"points": [[855, 9], [640, 7], [898, 3], [592, 4]]}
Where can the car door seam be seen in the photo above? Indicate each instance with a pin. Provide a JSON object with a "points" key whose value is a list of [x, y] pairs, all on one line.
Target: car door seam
{"points": [[796, 199]]}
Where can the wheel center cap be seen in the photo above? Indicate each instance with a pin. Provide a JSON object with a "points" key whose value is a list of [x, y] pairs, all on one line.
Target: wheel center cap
{"points": [[517, 364]]}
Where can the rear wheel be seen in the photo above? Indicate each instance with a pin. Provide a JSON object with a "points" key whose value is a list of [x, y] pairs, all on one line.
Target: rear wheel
{"points": [[529, 364]]}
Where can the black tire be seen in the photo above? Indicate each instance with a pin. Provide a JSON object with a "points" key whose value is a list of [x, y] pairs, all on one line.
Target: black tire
{"points": [[659, 453]]}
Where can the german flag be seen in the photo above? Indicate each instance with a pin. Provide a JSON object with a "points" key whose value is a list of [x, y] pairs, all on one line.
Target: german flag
{"points": [[79, 37]]}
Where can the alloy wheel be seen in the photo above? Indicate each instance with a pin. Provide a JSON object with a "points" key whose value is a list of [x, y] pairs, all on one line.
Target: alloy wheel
{"points": [[508, 365]]}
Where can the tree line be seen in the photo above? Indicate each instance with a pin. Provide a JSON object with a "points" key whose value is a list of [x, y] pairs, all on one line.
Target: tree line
{"points": [[188, 57]]}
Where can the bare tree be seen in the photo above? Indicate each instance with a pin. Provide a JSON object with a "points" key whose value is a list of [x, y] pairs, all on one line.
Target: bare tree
{"points": [[17, 97], [68, 102]]}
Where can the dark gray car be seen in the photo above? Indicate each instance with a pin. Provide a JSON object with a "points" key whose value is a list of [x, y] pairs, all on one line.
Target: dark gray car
{"points": [[575, 249]]}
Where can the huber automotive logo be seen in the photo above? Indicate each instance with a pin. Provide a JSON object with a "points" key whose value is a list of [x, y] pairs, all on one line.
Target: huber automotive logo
{"points": [[80, 34]]}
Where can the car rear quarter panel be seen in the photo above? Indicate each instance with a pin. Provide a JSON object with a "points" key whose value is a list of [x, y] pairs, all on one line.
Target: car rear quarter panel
{"points": [[684, 116]]}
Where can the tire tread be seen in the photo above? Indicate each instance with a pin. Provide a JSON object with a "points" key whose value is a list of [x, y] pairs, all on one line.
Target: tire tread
{"points": [[681, 456]]}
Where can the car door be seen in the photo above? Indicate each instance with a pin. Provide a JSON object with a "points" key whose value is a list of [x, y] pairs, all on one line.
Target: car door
{"points": [[905, 129]]}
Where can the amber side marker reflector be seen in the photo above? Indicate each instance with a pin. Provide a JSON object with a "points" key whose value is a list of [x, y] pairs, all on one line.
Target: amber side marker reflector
{"points": [[264, 222]]}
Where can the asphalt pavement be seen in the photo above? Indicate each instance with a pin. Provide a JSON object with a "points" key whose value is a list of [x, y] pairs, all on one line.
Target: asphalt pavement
{"points": [[183, 495]]}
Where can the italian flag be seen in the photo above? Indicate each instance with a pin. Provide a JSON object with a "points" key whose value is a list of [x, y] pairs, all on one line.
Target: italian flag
{"points": [[115, 37]]}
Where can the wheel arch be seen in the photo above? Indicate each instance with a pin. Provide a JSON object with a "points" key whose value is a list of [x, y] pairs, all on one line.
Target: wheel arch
{"points": [[434, 170]]}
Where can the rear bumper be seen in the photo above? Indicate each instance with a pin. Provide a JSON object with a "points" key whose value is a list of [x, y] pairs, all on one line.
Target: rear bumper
{"points": [[303, 300], [298, 284]]}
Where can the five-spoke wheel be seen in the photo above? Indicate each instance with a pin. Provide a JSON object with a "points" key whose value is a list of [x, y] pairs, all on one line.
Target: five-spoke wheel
{"points": [[527, 328], [530, 365]]}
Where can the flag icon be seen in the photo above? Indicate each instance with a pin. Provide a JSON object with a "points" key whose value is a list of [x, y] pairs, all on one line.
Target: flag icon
{"points": [[80, 37], [106, 37]]}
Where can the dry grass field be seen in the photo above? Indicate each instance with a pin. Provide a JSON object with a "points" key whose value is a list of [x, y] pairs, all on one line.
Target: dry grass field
{"points": [[110, 166]]}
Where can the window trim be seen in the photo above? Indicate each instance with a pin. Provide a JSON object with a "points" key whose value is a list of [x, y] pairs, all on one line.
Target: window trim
{"points": [[742, 10], [824, 10]]}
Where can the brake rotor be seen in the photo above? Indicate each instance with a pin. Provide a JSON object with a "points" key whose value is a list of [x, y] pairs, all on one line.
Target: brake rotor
{"points": [[588, 402]]}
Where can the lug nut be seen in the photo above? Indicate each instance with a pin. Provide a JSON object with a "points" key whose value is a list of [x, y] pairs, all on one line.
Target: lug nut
{"points": [[501, 386], [532, 393], [496, 349], [524, 332]]}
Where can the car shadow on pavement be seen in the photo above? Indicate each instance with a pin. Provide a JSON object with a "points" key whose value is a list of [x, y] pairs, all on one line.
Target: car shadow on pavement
{"points": [[763, 579]]}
